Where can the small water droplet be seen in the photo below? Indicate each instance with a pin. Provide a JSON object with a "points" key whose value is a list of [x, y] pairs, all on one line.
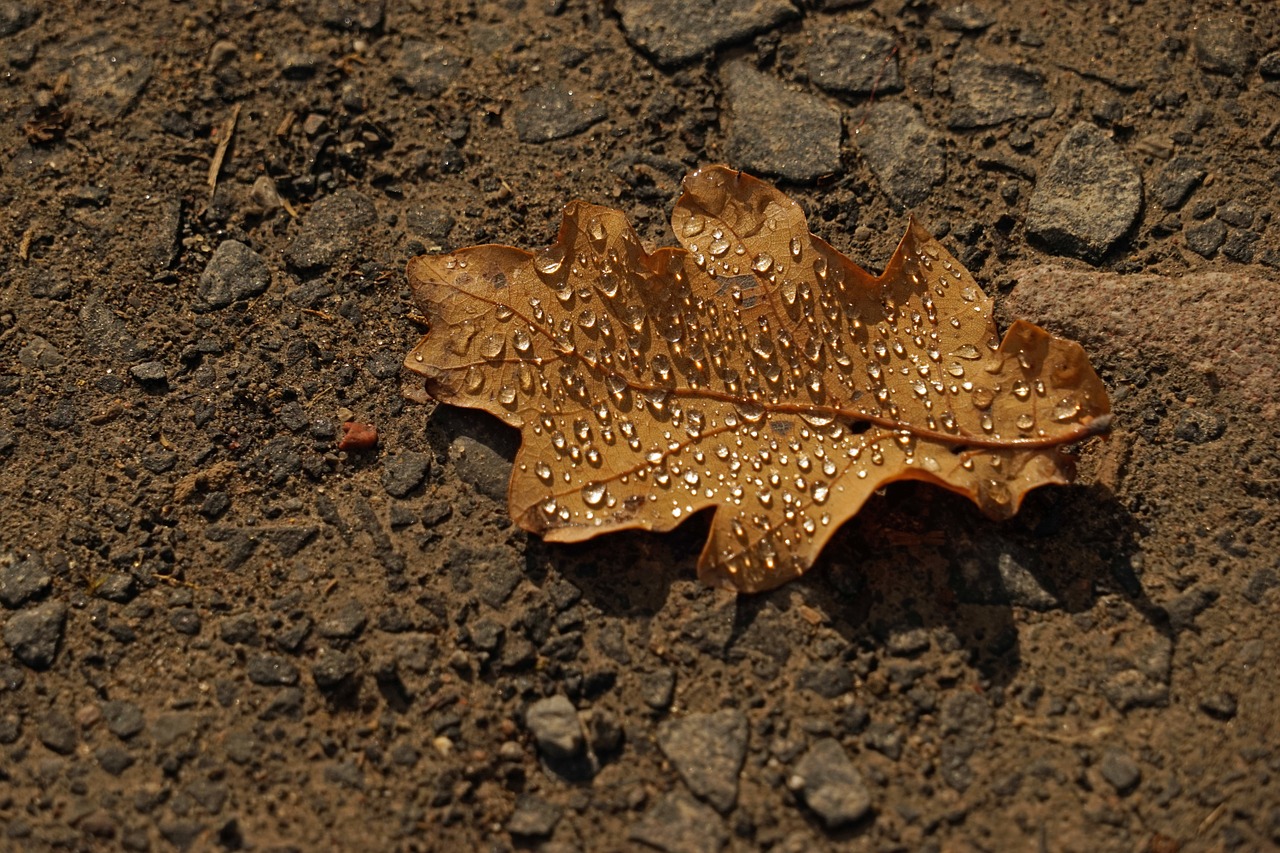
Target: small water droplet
{"points": [[662, 367], [1021, 390], [788, 290], [820, 492], [795, 247], [880, 349], [1025, 421], [919, 387], [762, 345], [718, 247], [691, 477], [586, 318]]}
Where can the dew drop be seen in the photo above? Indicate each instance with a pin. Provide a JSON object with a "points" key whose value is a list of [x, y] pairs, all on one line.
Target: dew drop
{"points": [[1066, 409], [983, 398], [1021, 390], [967, 351], [593, 493], [543, 470], [750, 410], [693, 226], [762, 345], [1025, 421], [820, 492], [520, 340], [718, 247], [506, 395], [548, 262], [587, 318], [795, 247], [763, 262]]}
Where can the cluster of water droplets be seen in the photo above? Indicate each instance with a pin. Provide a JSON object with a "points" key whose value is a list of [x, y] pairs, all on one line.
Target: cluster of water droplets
{"points": [[742, 374]]}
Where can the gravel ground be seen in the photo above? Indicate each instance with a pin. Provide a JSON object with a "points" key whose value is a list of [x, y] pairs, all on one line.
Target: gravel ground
{"points": [[230, 623]]}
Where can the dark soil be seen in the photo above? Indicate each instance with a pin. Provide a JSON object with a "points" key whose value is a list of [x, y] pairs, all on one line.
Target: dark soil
{"points": [[224, 628]]}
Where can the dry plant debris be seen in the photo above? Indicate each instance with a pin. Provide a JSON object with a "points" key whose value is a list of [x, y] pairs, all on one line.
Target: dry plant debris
{"points": [[755, 370]]}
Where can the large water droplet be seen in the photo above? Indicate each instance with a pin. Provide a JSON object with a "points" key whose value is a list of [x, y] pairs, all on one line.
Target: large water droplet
{"points": [[967, 351], [593, 493], [506, 395], [543, 470], [795, 247], [983, 397], [548, 262], [520, 340], [693, 226], [750, 410], [474, 380], [762, 262], [1066, 409]]}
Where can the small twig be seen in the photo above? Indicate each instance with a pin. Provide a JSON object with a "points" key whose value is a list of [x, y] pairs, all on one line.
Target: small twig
{"points": [[224, 141]]}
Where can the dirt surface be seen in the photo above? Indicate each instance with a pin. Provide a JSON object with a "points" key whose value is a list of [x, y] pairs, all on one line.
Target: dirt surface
{"points": [[223, 628]]}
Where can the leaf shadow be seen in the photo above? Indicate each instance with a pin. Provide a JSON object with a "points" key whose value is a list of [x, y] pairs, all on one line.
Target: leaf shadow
{"points": [[915, 558]]}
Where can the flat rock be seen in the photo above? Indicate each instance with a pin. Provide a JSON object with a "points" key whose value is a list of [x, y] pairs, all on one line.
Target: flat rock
{"points": [[105, 334], [1118, 312], [234, 272], [1088, 197], [906, 157], [680, 824], [851, 60], [1176, 180], [1224, 45], [107, 75], [427, 67], [708, 751], [964, 18], [830, 785], [33, 635], [330, 229], [674, 32], [404, 472], [534, 817], [556, 729], [776, 129], [24, 579], [554, 110], [989, 93], [1205, 238]]}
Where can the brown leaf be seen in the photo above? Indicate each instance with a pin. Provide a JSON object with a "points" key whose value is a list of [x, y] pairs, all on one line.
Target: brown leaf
{"points": [[756, 370]]}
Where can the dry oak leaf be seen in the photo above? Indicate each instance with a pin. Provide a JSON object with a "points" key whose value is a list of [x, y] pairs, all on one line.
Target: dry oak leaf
{"points": [[756, 370]]}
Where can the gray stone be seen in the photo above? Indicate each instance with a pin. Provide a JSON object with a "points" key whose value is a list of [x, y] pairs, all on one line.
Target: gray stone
{"points": [[427, 68], [34, 635], [404, 472], [272, 671], [1206, 238], [482, 466], [344, 622], [778, 130], [708, 750], [554, 110], [533, 817], [556, 729], [123, 719], [674, 32], [830, 785], [1087, 198], [1000, 572], [680, 824], [105, 334], [1224, 45], [906, 157], [1269, 65], [150, 373], [330, 229], [988, 93], [1176, 180], [850, 60], [657, 688], [1120, 771], [23, 580], [964, 18], [108, 75], [57, 731], [234, 272], [39, 354], [332, 668]]}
